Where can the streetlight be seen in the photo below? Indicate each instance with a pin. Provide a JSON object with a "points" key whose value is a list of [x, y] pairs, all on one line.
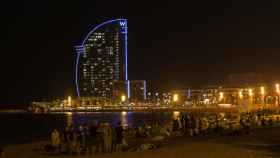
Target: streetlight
{"points": [[278, 92], [262, 91], [123, 98], [250, 92], [263, 95], [175, 97], [221, 97], [240, 94], [277, 88], [69, 101]]}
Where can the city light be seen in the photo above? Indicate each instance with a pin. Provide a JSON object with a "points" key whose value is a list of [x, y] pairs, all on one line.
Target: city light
{"points": [[69, 101], [69, 113], [175, 97], [206, 101], [124, 113], [240, 94], [176, 114], [221, 96], [250, 92], [123, 98], [262, 90], [277, 88]]}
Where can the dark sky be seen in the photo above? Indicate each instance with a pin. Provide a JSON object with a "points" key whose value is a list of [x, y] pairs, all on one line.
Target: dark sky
{"points": [[172, 43]]}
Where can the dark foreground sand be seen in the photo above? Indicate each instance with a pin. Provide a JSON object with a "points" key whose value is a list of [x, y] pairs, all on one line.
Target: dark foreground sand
{"points": [[263, 143]]}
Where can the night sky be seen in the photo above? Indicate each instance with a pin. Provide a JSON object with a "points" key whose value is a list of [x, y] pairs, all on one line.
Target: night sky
{"points": [[172, 44]]}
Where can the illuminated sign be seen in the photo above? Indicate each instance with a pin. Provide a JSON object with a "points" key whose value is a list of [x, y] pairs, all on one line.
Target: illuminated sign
{"points": [[122, 23]]}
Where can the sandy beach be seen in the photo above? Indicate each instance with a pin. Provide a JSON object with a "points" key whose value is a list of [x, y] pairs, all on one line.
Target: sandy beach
{"points": [[263, 143]]}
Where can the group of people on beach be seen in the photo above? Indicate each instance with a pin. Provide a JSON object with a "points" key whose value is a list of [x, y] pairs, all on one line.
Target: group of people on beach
{"points": [[103, 138], [87, 139], [200, 125]]}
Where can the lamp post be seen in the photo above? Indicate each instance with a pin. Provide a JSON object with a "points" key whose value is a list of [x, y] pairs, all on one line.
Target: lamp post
{"points": [[251, 96], [221, 96], [69, 101], [123, 98], [175, 98], [250, 92], [240, 94], [263, 95], [277, 88]]}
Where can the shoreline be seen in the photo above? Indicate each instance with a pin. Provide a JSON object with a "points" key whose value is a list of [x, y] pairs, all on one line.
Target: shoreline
{"points": [[212, 146]]}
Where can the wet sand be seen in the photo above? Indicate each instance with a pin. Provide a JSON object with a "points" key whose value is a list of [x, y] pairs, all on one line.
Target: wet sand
{"points": [[263, 143]]}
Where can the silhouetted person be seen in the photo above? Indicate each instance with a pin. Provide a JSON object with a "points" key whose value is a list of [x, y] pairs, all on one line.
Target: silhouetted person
{"points": [[119, 136]]}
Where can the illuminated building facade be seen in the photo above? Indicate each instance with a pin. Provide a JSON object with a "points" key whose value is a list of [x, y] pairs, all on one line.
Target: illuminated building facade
{"points": [[138, 90], [119, 89], [102, 60]]}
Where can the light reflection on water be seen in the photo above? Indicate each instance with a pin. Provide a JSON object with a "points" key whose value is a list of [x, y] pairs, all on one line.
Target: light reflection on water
{"points": [[176, 115], [126, 118]]}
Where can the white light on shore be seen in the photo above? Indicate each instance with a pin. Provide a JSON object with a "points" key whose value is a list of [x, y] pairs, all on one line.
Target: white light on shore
{"points": [[262, 90], [123, 98], [277, 88], [221, 96], [240, 94], [250, 92], [124, 113], [175, 97], [69, 100]]}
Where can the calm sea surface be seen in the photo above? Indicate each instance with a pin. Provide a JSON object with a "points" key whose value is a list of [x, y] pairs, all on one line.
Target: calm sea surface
{"points": [[20, 127]]}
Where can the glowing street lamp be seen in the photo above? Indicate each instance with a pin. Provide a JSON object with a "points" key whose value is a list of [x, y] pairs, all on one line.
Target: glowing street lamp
{"points": [[278, 92], [123, 98], [240, 94], [262, 90], [69, 101], [221, 97], [277, 88], [175, 97], [250, 92]]}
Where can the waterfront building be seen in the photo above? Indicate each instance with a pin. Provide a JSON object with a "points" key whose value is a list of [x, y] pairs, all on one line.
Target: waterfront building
{"points": [[102, 60]]}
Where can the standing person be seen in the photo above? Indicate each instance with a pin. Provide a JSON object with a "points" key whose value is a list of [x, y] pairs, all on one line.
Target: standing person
{"points": [[99, 138], [72, 140], [55, 140], [92, 138], [192, 125], [187, 124], [66, 139], [107, 137], [114, 139], [80, 139], [119, 136], [183, 122], [175, 124], [200, 124]]}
